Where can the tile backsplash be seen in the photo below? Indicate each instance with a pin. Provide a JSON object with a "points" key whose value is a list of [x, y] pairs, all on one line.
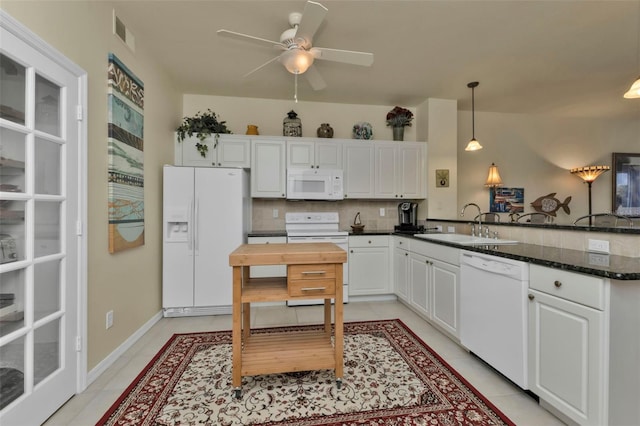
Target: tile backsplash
{"points": [[264, 211]]}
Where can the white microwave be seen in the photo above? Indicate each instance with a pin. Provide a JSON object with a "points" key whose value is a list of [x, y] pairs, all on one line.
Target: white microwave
{"points": [[314, 184]]}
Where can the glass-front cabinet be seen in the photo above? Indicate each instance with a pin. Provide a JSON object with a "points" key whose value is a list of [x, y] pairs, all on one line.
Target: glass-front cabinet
{"points": [[32, 250]]}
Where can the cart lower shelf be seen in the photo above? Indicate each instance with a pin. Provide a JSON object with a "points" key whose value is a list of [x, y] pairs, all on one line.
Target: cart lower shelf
{"points": [[287, 352]]}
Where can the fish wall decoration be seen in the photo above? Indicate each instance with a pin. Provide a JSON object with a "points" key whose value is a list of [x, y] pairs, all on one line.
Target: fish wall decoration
{"points": [[550, 204]]}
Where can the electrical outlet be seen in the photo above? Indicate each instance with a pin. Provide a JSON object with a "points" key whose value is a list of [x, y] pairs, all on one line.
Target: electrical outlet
{"points": [[599, 246], [439, 228], [381, 211], [109, 319], [599, 259], [451, 229], [275, 213]]}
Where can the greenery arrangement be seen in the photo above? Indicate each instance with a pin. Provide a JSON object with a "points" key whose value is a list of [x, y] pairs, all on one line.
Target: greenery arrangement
{"points": [[399, 117], [203, 125]]}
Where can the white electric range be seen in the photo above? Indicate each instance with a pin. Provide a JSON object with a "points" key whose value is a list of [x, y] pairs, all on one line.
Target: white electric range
{"points": [[318, 227]]}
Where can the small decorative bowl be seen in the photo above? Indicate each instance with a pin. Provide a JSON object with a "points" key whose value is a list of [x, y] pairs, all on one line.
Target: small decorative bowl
{"points": [[357, 229]]}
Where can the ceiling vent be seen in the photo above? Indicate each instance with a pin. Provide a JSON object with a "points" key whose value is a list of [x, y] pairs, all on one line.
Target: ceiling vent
{"points": [[123, 33]]}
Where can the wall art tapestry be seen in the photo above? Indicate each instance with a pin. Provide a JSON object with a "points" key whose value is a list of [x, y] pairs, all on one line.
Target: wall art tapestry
{"points": [[506, 200], [126, 161]]}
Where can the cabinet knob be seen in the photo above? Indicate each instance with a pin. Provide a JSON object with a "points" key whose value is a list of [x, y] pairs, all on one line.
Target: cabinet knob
{"points": [[406, 254], [369, 241], [351, 251], [531, 297], [558, 284]]}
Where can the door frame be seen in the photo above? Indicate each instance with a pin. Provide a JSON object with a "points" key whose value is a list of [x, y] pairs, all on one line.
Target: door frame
{"points": [[8, 23]]}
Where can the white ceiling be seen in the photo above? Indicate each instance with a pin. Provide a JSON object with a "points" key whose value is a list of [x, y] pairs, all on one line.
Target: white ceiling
{"points": [[572, 58]]}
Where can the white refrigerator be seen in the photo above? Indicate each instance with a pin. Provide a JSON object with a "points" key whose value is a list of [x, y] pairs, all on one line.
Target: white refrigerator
{"points": [[206, 215]]}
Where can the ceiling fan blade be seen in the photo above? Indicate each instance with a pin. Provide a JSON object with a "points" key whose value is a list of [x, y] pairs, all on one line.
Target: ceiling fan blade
{"points": [[312, 17], [253, 39], [314, 78], [260, 67], [347, 56]]}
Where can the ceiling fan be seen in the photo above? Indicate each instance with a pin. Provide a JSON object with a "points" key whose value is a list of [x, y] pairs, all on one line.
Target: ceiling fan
{"points": [[298, 54]]}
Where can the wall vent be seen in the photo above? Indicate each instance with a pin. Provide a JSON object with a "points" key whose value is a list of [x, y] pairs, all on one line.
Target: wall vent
{"points": [[123, 33]]}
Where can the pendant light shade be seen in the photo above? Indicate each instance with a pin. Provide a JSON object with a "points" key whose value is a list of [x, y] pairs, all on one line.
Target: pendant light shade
{"points": [[493, 179], [473, 144], [634, 90]]}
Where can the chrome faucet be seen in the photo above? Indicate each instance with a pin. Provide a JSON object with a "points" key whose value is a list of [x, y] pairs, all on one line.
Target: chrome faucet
{"points": [[479, 215]]}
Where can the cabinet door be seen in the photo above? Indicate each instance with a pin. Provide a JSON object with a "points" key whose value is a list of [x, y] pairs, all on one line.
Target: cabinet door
{"points": [[445, 280], [192, 157], [268, 173], [401, 273], [386, 170], [420, 283], [566, 357], [411, 171], [328, 155], [234, 152], [358, 161], [368, 271], [300, 154]]}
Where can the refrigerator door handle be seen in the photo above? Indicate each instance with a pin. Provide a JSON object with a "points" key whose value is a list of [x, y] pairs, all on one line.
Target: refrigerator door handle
{"points": [[190, 230], [196, 219]]}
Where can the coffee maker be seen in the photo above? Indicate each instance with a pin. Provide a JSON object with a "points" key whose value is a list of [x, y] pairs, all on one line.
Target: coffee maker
{"points": [[408, 218]]}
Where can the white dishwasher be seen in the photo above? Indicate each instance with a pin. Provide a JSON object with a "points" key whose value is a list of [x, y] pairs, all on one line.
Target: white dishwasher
{"points": [[494, 312]]}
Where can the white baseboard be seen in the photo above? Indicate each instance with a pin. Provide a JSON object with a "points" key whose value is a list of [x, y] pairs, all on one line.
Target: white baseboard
{"points": [[373, 298], [113, 356]]}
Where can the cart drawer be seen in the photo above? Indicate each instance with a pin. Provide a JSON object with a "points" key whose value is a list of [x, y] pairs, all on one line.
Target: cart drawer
{"points": [[319, 287], [311, 272]]}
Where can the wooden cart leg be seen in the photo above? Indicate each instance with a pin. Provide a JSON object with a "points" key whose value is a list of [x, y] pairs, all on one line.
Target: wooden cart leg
{"points": [[327, 317], [339, 330], [246, 320], [237, 329]]}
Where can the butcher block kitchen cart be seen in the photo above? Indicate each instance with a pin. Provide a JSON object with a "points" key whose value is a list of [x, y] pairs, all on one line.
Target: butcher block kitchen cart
{"points": [[314, 271]]}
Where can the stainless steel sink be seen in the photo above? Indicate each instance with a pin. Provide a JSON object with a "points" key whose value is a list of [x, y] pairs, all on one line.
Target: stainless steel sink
{"points": [[465, 240]]}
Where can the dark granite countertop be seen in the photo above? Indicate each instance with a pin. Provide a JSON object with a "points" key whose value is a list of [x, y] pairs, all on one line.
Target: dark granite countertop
{"points": [[602, 265]]}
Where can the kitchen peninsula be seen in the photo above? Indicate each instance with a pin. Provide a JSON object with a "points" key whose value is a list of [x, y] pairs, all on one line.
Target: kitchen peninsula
{"points": [[314, 270]]}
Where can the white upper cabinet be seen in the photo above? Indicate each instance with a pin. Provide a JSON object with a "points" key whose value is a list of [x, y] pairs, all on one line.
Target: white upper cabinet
{"points": [[359, 160], [225, 150], [268, 172], [400, 170], [310, 154]]}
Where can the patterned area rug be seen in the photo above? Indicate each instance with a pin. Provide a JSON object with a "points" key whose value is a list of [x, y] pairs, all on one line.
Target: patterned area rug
{"points": [[391, 377]]}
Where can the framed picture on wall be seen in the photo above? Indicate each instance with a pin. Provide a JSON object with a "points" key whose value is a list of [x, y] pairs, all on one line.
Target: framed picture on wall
{"points": [[506, 200], [626, 184]]}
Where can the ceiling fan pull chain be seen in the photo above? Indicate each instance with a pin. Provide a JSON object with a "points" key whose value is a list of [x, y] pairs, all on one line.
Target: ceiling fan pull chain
{"points": [[295, 93]]}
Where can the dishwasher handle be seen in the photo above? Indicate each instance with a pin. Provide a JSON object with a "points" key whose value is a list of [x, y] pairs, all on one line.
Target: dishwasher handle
{"points": [[495, 266]]}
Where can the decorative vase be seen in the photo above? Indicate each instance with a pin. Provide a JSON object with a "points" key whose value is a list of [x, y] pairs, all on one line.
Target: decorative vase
{"points": [[252, 129], [398, 133], [292, 125], [325, 131]]}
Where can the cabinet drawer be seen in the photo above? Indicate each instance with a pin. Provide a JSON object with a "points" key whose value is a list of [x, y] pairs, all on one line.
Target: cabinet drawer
{"points": [[312, 287], [311, 272], [584, 289], [400, 242], [369, 241]]}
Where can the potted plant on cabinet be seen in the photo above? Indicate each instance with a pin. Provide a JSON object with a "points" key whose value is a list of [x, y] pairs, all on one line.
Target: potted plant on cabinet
{"points": [[397, 119], [203, 125]]}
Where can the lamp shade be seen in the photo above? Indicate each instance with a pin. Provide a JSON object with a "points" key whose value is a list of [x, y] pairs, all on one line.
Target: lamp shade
{"points": [[589, 173], [634, 90], [473, 145], [493, 179], [296, 61]]}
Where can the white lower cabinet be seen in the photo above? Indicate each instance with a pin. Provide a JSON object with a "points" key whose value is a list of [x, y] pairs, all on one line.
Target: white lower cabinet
{"points": [[369, 271], [431, 275], [401, 268]]}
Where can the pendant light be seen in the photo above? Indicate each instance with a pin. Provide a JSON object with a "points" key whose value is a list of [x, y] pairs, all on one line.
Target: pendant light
{"points": [[634, 90], [473, 144]]}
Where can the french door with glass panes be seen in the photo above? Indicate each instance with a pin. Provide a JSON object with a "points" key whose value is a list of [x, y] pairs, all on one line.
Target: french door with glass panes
{"points": [[40, 224]]}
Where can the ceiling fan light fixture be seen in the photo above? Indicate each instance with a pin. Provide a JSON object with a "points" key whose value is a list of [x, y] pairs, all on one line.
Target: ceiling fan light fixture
{"points": [[634, 90], [296, 61]]}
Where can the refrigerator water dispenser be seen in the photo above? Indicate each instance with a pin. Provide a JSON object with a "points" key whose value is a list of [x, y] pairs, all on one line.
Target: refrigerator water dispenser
{"points": [[177, 226]]}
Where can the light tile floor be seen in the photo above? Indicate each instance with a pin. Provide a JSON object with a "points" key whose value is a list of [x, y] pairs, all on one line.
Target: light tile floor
{"points": [[87, 408]]}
